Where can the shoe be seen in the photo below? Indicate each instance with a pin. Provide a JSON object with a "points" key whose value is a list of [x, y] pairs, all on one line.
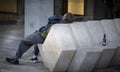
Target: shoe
{"points": [[12, 61], [35, 59]]}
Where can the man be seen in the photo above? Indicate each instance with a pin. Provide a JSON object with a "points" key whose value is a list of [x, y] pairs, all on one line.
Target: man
{"points": [[38, 37]]}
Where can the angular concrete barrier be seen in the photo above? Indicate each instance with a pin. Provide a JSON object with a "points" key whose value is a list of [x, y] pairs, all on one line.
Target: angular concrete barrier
{"points": [[77, 47], [112, 33], [82, 34], [96, 31], [112, 29], [116, 58], [85, 59], [117, 22], [82, 61], [106, 56], [90, 35], [58, 48]]}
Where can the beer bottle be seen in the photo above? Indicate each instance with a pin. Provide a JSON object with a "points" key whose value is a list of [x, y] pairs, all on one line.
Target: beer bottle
{"points": [[104, 40]]}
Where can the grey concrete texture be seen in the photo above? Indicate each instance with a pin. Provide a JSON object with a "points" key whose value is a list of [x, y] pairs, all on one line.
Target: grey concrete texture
{"points": [[81, 34], [37, 13], [105, 57], [116, 58], [111, 30], [96, 31], [58, 48], [85, 59], [91, 33], [117, 22]]}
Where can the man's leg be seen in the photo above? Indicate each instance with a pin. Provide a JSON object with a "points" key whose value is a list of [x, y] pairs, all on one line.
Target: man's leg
{"points": [[36, 53], [38, 40], [36, 50], [23, 47]]}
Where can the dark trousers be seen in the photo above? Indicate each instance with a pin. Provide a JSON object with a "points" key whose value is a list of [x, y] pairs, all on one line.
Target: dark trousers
{"points": [[23, 47], [36, 50], [26, 44]]}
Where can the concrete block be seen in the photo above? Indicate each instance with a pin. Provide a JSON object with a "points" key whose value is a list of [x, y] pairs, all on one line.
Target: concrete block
{"points": [[111, 31], [117, 22], [106, 56], [96, 31], [58, 48], [88, 35], [116, 57], [85, 59], [82, 34]]}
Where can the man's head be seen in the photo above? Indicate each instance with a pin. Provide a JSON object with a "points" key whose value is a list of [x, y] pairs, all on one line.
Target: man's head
{"points": [[69, 17]]}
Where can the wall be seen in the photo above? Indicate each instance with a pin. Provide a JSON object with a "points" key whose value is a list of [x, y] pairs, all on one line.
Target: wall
{"points": [[8, 6], [8, 10], [94, 9], [99, 9], [89, 9], [57, 7], [20, 11], [36, 14]]}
